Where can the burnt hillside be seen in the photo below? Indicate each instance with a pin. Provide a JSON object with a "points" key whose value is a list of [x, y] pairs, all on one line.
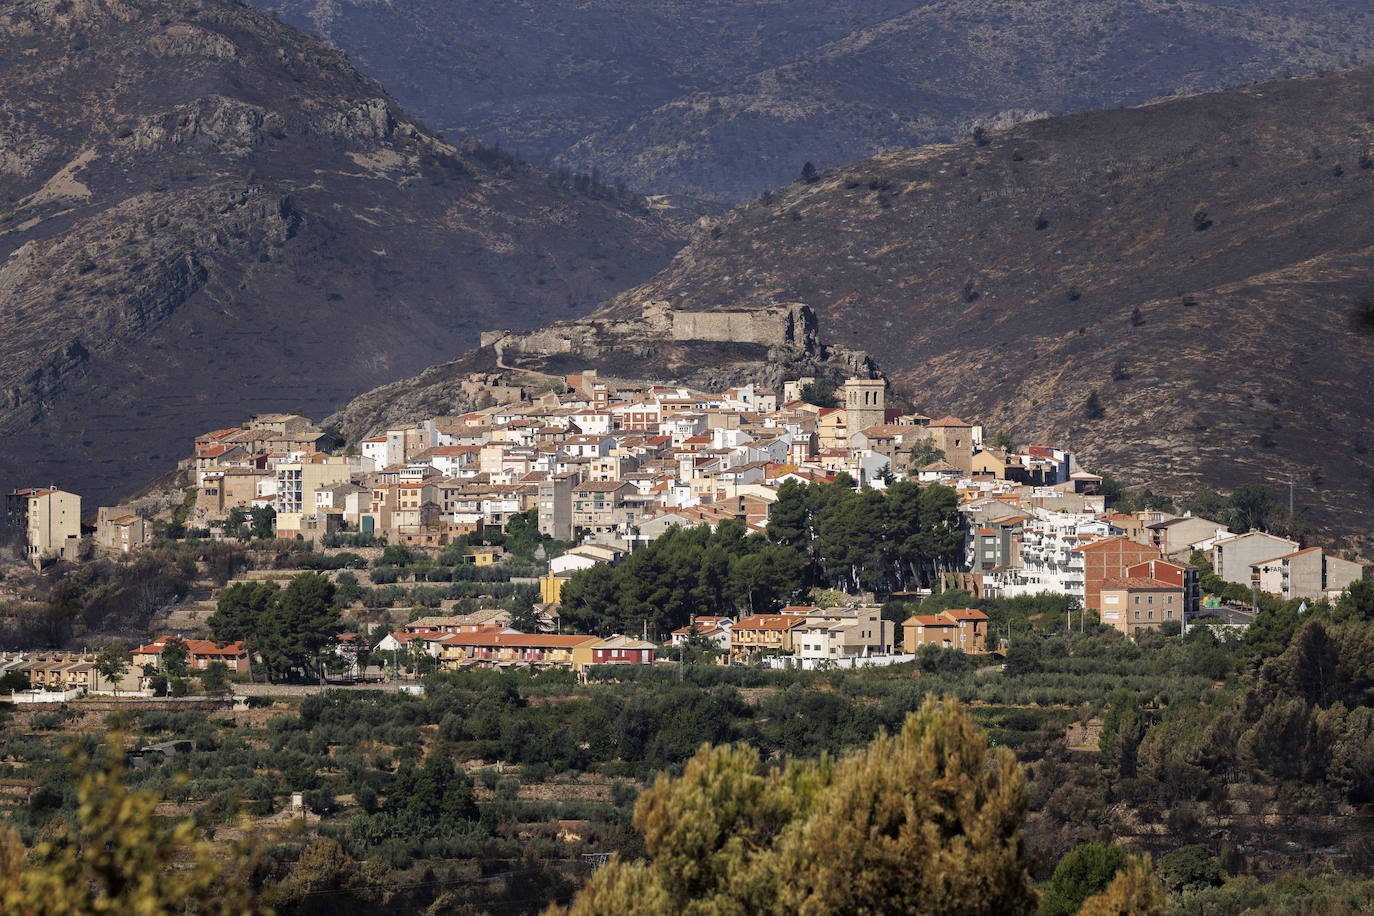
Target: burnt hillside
{"points": [[727, 99], [1200, 264]]}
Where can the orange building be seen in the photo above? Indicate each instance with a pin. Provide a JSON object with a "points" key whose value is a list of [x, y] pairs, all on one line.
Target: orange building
{"points": [[1136, 604], [965, 629], [1109, 558], [764, 632]]}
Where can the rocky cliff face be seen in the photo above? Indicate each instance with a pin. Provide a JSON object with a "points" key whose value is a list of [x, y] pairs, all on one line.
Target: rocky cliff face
{"points": [[205, 213]]}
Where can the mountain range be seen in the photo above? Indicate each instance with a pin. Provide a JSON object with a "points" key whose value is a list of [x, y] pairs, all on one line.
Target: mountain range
{"points": [[205, 213], [727, 99]]}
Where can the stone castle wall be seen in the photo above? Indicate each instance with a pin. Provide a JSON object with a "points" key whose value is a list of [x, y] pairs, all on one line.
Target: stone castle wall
{"points": [[791, 325], [770, 327]]}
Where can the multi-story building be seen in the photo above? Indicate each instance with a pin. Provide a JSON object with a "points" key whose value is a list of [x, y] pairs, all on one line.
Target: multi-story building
{"points": [[1048, 561], [1138, 604], [555, 506], [1233, 557], [1177, 537], [1183, 576], [833, 635], [965, 629], [118, 529], [51, 521], [596, 506], [617, 650], [759, 633], [1308, 573], [297, 482], [954, 437], [1109, 558], [229, 489]]}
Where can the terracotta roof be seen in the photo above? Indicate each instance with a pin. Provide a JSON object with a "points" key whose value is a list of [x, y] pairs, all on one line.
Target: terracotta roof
{"points": [[770, 622], [600, 486], [193, 647], [1289, 556], [928, 621], [1108, 541], [1139, 583], [948, 421], [623, 642], [517, 640]]}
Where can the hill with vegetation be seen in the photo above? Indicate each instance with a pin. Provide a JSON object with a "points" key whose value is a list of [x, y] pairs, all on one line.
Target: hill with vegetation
{"points": [[726, 99], [207, 213], [1179, 293]]}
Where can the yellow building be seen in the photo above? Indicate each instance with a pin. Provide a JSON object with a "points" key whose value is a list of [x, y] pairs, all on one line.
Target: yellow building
{"points": [[296, 486], [551, 588], [51, 521]]}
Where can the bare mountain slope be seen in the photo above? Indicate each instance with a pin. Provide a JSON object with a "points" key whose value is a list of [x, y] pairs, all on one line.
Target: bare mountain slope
{"points": [[1197, 263], [727, 99], [206, 212], [1173, 291]]}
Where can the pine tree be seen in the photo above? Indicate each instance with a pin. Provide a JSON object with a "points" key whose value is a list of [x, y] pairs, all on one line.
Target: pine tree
{"points": [[787, 518], [1133, 892], [1085, 871], [118, 856], [924, 822]]}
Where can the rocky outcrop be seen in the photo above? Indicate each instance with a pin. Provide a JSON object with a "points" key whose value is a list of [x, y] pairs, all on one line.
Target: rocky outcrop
{"points": [[710, 349], [791, 326]]}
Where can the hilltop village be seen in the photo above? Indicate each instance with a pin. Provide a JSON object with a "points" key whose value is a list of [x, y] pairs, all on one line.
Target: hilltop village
{"points": [[605, 469]]}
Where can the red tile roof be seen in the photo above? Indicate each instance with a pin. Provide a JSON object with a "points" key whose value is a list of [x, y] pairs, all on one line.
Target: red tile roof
{"points": [[927, 621], [770, 622], [1139, 583]]}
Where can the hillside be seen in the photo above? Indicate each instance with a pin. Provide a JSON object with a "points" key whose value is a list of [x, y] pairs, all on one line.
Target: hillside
{"points": [[728, 99], [1011, 281], [208, 213]]}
